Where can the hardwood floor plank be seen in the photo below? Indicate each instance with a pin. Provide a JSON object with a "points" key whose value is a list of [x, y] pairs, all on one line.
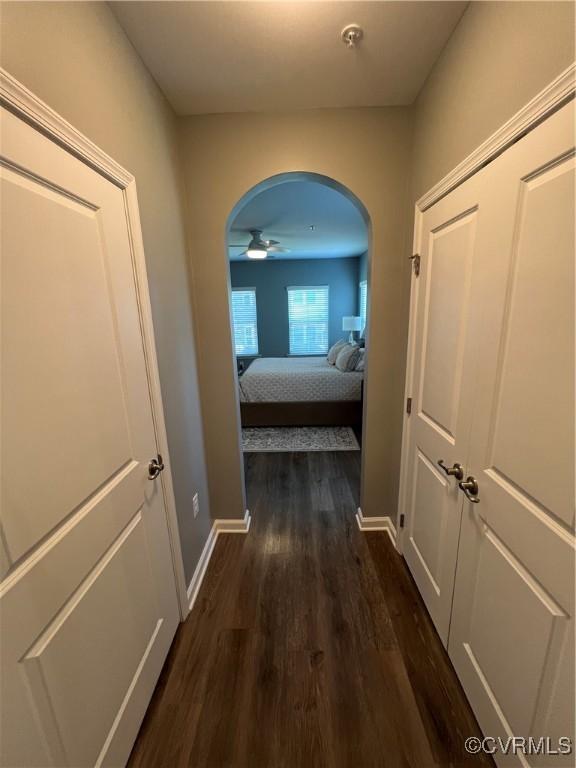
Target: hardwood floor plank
{"points": [[441, 701], [221, 733], [309, 645]]}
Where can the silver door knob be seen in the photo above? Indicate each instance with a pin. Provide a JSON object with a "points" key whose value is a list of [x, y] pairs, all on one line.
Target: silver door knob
{"points": [[155, 467], [455, 470], [470, 488]]}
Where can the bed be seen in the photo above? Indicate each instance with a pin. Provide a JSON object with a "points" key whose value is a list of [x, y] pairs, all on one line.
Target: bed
{"points": [[290, 391]]}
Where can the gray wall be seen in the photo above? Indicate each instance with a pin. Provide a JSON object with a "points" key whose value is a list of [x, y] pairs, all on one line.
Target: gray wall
{"points": [[76, 57], [271, 279], [368, 152], [498, 58]]}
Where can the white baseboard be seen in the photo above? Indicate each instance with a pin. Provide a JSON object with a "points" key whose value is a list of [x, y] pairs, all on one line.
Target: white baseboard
{"points": [[367, 524], [234, 526], [198, 577], [218, 527]]}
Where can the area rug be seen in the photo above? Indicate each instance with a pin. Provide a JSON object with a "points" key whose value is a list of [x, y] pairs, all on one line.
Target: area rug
{"points": [[288, 439]]}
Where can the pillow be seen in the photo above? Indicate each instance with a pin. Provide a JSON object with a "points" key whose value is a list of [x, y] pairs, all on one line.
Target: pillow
{"points": [[334, 349], [361, 361], [347, 357]]}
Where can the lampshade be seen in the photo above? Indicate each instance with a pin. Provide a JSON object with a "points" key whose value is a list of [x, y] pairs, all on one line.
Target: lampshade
{"points": [[350, 323]]}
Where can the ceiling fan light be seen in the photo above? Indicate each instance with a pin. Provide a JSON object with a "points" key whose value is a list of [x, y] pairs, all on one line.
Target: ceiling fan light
{"points": [[256, 253]]}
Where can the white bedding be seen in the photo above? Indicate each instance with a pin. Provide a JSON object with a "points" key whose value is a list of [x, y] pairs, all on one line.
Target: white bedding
{"points": [[297, 379]]}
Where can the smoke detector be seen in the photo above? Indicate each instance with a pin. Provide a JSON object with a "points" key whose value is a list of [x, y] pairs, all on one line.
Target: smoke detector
{"points": [[351, 35]]}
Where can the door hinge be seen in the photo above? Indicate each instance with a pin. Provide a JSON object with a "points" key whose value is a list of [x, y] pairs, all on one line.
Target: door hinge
{"points": [[401, 521], [415, 259], [408, 405]]}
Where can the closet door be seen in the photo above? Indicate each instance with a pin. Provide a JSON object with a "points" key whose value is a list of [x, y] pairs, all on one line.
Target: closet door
{"points": [[512, 632], [442, 395], [88, 602]]}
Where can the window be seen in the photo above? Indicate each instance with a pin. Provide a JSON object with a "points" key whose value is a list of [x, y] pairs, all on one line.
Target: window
{"points": [[308, 319], [363, 302], [244, 321]]}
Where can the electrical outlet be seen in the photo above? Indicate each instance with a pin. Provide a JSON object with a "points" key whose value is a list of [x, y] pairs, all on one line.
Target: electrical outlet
{"points": [[195, 505]]}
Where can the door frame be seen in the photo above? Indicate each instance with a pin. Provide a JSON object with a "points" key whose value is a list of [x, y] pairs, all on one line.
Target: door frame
{"points": [[24, 104], [551, 98]]}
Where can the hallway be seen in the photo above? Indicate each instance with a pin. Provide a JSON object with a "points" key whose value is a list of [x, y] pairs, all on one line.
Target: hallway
{"points": [[335, 217], [308, 644]]}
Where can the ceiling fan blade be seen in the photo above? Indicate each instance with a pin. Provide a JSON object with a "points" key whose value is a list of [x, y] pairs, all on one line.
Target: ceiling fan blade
{"points": [[272, 242], [236, 245], [277, 249]]}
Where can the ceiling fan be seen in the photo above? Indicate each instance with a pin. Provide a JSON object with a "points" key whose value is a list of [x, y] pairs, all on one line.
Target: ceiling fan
{"points": [[258, 248]]}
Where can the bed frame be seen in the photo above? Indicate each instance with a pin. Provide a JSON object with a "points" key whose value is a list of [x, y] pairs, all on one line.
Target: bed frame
{"points": [[342, 413], [305, 414]]}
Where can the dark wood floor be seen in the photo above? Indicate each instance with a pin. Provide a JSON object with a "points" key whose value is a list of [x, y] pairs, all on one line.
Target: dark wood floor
{"points": [[308, 646]]}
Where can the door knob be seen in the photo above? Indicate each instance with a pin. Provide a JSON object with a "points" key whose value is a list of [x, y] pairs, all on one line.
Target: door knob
{"points": [[155, 467], [454, 471], [470, 488]]}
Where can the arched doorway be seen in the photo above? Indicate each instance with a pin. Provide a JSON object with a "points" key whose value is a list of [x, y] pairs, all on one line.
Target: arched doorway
{"points": [[308, 220]]}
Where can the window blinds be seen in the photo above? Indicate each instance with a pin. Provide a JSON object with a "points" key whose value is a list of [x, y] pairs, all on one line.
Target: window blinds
{"points": [[308, 319], [363, 302], [244, 321]]}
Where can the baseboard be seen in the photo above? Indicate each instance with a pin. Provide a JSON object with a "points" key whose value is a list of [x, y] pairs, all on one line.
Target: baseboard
{"points": [[367, 524], [198, 577], [234, 526], [218, 527]]}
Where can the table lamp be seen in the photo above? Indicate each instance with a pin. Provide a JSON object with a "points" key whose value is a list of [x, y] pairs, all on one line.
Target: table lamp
{"points": [[350, 323]]}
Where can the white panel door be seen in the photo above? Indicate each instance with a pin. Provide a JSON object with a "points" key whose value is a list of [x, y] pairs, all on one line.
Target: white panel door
{"points": [[512, 633], [87, 599], [443, 390]]}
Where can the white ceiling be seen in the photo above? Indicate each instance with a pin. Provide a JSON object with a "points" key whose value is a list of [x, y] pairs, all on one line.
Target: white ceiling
{"points": [[286, 212], [243, 56]]}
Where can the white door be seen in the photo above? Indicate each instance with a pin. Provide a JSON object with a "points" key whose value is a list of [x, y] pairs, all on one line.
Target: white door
{"points": [[87, 600], [512, 633], [442, 397]]}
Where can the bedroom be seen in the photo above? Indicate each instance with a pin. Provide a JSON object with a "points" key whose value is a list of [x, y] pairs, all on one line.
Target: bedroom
{"points": [[298, 299]]}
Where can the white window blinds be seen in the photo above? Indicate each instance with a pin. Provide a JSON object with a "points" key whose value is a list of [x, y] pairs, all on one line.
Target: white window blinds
{"points": [[363, 302], [244, 322], [308, 319]]}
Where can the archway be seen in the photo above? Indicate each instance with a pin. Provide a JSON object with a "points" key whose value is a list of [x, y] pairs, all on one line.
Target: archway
{"points": [[259, 192]]}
